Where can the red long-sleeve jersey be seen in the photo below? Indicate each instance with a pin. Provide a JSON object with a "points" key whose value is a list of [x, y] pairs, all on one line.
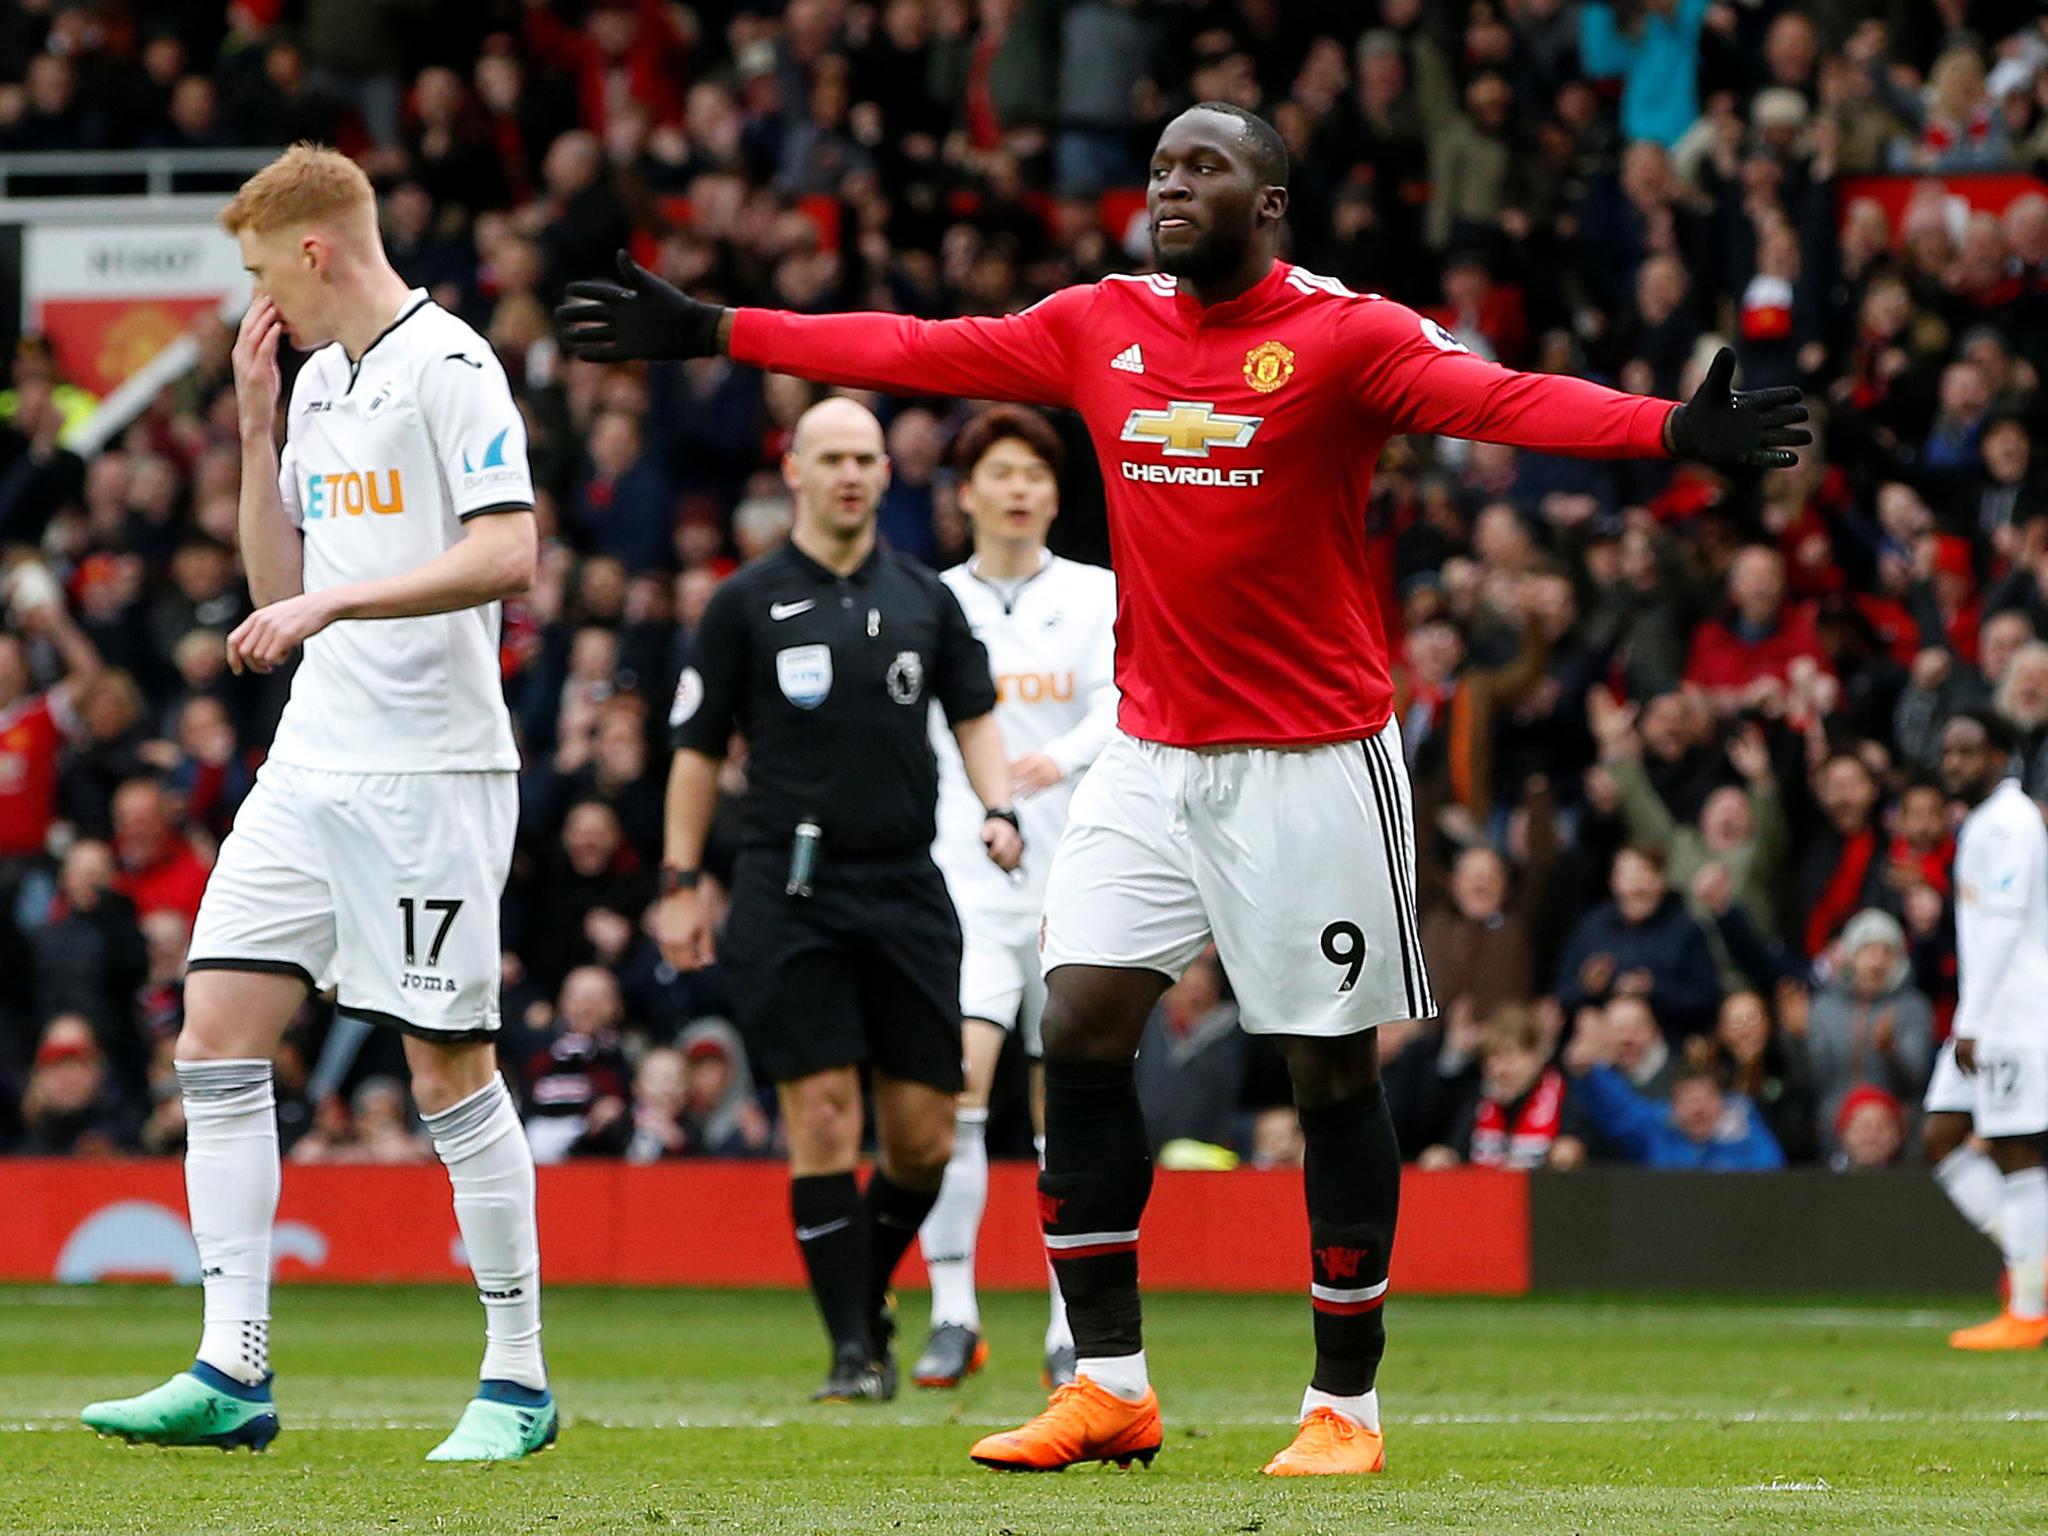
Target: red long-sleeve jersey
{"points": [[1237, 442]]}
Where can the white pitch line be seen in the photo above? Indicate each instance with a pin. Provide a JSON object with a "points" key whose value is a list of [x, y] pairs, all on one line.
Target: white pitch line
{"points": [[364, 1423]]}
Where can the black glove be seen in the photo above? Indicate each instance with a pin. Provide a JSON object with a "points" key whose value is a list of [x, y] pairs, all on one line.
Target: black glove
{"points": [[645, 318], [1749, 429]]}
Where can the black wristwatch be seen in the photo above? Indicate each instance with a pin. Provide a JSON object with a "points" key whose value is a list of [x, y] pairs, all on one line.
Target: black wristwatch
{"points": [[674, 879], [1005, 814]]}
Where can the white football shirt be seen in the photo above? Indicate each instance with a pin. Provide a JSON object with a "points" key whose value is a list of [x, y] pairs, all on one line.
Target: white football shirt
{"points": [[2002, 918], [1052, 648], [384, 459]]}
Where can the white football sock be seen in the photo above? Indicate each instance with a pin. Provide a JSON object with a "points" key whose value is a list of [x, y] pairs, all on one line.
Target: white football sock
{"points": [[949, 1232], [1121, 1376], [1362, 1410], [1058, 1334], [231, 1182], [490, 1166], [2023, 1224], [1974, 1186]]}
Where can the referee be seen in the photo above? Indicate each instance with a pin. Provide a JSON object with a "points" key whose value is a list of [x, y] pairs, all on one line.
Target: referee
{"points": [[841, 944]]}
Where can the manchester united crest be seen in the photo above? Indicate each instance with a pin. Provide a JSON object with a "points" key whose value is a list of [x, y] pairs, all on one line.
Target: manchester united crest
{"points": [[1268, 365]]}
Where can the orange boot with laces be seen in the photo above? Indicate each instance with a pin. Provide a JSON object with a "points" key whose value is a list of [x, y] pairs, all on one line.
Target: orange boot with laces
{"points": [[1083, 1422], [1328, 1443]]}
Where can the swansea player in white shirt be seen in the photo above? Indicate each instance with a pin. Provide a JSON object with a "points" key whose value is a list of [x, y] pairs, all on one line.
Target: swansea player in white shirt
{"points": [[371, 855], [1048, 625], [1994, 1075]]}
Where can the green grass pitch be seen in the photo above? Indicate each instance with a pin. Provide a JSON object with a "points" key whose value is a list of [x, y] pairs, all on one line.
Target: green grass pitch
{"points": [[685, 1411]]}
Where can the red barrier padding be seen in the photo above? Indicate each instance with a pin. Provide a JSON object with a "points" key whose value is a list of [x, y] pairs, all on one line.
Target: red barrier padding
{"points": [[714, 1223]]}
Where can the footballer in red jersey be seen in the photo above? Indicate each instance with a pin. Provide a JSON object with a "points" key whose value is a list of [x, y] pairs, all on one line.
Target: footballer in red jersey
{"points": [[1256, 794]]}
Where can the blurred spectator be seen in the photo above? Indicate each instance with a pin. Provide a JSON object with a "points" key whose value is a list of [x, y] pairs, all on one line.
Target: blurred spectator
{"points": [[1636, 1045], [1842, 872], [1870, 1131], [575, 1085], [624, 508], [1643, 943], [90, 959], [160, 869], [1517, 1117], [1654, 46], [1761, 652], [1869, 1024], [1768, 1064], [1743, 829], [1703, 1128], [33, 725], [71, 1107], [588, 909], [696, 1099], [1479, 939]]}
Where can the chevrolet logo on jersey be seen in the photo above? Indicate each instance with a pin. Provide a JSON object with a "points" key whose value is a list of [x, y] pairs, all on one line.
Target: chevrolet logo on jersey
{"points": [[353, 493], [1188, 429]]}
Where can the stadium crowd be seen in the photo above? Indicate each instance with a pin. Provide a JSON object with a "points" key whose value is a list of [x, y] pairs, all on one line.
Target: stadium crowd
{"points": [[1685, 875]]}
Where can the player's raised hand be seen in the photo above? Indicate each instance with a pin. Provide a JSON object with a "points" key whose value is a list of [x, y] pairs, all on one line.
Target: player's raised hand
{"points": [[638, 316], [682, 929], [263, 640], [257, 380], [1737, 429]]}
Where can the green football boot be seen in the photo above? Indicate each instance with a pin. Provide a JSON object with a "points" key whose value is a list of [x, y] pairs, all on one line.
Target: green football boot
{"points": [[201, 1406], [503, 1422]]}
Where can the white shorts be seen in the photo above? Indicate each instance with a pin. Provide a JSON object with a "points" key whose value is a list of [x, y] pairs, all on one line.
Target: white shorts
{"points": [[999, 976], [384, 886], [1299, 863], [2006, 1096]]}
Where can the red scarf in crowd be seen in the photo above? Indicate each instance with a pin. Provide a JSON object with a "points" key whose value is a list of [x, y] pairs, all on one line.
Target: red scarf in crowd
{"points": [[1524, 1142], [1844, 893]]}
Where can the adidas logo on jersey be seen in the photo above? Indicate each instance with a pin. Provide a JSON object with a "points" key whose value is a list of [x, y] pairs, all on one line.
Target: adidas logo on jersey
{"points": [[1130, 360]]}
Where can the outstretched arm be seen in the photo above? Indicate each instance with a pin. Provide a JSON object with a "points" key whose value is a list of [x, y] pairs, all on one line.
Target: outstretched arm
{"points": [[989, 357], [1414, 376]]}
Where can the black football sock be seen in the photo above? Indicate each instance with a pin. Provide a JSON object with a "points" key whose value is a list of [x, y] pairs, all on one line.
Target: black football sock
{"points": [[1353, 1181], [834, 1239], [1091, 1194], [892, 1215]]}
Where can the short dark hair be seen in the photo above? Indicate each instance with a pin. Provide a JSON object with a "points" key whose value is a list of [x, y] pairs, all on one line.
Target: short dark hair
{"points": [[2000, 734], [1696, 1072], [1268, 149], [1003, 423]]}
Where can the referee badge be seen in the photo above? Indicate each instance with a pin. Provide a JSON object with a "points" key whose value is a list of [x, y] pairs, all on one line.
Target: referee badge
{"points": [[906, 677], [805, 673]]}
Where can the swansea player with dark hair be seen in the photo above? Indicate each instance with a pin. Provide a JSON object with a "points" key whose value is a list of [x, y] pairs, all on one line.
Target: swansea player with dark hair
{"points": [[1255, 793]]}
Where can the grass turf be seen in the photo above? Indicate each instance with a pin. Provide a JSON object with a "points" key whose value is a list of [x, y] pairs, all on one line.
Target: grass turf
{"points": [[685, 1412]]}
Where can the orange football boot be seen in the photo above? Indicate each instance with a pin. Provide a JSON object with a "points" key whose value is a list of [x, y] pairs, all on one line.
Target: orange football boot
{"points": [[2003, 1332], [1328, 1443], [1083, 1422]]}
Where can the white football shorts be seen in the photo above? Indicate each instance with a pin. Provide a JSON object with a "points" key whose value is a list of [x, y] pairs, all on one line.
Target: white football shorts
{"points": [[2006, 1096], [384, 886], [1300, 863], [1000, 980]]}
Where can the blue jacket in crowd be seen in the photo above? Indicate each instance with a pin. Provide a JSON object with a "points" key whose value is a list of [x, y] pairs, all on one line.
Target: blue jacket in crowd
{"points": [[1658, 60], [1643, 1129]]}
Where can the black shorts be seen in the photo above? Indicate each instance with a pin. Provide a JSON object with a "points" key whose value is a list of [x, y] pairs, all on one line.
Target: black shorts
{"points": [[864, 969]]}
